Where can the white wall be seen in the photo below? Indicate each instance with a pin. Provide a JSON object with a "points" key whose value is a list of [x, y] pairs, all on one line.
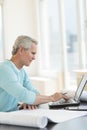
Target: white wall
{"points": [[19, 18]]}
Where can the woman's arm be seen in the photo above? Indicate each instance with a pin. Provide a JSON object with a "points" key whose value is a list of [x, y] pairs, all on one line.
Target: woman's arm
{"points": [[40, 99]]}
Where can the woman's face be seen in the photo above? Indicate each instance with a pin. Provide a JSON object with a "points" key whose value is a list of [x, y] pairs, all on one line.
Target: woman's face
{"points": [[27, 56]]}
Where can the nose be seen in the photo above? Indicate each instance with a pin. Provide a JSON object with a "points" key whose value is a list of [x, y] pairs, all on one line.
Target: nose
{"points": [[33, 57]]}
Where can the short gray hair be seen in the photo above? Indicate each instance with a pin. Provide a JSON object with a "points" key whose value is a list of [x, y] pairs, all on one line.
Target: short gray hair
{"points": [[24, 41]]}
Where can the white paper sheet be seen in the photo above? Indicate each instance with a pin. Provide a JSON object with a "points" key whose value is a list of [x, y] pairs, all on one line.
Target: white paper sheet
{"points": [[38, 117]]}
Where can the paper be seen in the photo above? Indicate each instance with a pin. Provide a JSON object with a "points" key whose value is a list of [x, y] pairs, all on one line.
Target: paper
{"points": [[38, 117], [23, 119]]}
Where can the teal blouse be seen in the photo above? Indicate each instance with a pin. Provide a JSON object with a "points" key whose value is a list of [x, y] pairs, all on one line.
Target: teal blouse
{"points": [[15, 87]]}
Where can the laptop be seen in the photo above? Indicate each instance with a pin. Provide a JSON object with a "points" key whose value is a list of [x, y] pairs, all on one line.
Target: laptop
{"points": [[75, 101]]}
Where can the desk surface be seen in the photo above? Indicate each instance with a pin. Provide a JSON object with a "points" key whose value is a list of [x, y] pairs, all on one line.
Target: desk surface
{"points": [[74, 124]]}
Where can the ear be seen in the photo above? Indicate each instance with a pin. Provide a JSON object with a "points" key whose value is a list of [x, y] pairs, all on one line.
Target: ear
{"points": [[21, 50]]}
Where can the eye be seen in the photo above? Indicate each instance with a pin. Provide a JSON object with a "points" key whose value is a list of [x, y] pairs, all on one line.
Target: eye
{"points": [[33, 53]]}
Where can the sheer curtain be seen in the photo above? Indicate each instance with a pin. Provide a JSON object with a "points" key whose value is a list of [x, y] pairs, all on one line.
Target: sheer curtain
{"points": [[62, 38]]}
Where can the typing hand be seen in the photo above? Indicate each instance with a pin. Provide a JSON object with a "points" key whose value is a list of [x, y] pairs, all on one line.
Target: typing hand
{"points": [[58, 96]]}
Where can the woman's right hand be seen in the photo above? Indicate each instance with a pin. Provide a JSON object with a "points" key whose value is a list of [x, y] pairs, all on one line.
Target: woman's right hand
{"points": [[57, 96]]}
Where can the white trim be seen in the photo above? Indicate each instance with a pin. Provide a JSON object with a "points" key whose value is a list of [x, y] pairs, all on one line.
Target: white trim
{"points": [[81, 44], [63, 39], [85, 31]]}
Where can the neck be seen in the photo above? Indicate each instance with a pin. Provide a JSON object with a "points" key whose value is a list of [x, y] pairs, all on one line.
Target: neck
{"points": [[16, 62]]}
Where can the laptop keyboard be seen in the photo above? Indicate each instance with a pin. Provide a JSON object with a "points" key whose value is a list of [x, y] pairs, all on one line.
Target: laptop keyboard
{"points": [[62, 101]]}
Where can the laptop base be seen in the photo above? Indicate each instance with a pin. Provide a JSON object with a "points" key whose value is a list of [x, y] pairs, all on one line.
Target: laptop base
{"points": [[63, 105]]}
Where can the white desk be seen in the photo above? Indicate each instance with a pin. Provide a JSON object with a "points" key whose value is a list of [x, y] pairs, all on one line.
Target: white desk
{"points": [[74, 124]]}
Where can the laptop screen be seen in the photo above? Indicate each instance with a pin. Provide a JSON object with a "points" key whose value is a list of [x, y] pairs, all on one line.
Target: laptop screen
{"points": [[80, 87]]}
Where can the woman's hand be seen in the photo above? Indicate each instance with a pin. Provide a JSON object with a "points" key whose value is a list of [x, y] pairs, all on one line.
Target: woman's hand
{"points": [[26, 106], [58, 96]]}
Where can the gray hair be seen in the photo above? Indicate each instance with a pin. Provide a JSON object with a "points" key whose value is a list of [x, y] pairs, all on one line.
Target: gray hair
{"points": [[23, 41]]}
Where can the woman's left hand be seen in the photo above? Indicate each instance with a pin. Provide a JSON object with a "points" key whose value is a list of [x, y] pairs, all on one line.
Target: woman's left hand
{"points": [[26, 106]]}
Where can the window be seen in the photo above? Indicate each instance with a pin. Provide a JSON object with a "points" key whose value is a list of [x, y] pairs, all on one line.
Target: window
{"points": [[62, 38], [50, 46]]}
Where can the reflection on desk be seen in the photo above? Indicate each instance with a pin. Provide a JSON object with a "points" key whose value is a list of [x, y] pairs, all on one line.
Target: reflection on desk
{"points": [[75, 124]]}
